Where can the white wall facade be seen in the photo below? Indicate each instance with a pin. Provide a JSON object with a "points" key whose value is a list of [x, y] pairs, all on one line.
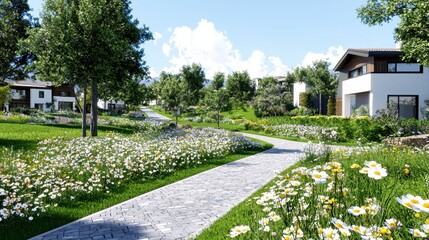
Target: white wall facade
{"points": [[36, 99], [105, 104], [297, 89], [380, 85], [58, 99]]}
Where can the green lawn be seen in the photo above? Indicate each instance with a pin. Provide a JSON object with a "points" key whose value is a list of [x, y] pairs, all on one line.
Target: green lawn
{"points": [[240, 128], [246, 112], [26, 136]]}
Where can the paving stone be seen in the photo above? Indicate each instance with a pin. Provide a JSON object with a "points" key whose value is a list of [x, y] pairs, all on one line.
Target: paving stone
{"points": [[185, 208]]}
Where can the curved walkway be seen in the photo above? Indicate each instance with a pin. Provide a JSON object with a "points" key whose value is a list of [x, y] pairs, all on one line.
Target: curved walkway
{"points": [[185, 208], [153, 115]]}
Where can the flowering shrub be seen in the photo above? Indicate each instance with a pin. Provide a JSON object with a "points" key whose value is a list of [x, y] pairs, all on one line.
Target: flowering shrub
{"points": [[349, 197], [305, 132], [61, 169]]}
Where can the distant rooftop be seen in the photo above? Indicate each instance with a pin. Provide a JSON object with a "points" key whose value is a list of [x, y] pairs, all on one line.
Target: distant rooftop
{"points": [[367, 52], [372, 51], [29, 83]]}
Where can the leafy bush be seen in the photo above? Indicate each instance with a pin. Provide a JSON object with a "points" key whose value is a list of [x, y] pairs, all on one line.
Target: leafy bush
{"points": [[361, 111], [332, 105], [304, 100]]}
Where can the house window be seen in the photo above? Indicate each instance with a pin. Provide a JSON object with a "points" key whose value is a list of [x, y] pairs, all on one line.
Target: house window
{"points": [[65, 94], [65, 106], [41, 94], [404, 68], [406, 106], [111, 107], [38, 106], [20, 93], [357, 72]]}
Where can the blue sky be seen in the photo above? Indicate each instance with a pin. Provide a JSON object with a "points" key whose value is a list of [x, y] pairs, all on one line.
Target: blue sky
{"points": [[267, 37]]}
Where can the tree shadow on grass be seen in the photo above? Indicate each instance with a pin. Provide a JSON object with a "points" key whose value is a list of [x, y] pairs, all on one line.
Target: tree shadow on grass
{"points": [[19, 144], [104, 128]]}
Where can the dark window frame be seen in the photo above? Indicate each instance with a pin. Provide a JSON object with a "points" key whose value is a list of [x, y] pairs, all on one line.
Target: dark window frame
{"points": [[396, 67], [65, 94], [361, 70], [65, 106], [38, 106], [41, 94], [398, 102]]}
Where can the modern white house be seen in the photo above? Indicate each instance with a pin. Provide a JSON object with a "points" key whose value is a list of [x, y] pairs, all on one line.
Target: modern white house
{"points": [[40, 95], [280, 79], [375, 78], [111, 105], [298, 88]]}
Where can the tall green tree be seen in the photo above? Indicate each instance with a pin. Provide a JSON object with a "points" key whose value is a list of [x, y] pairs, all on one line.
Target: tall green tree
{"points": [[194, 78], [269, 99], [218, 81], [412, 31], [216, 97], [322, 81], [240, 88], [172, 93], [14, 22], [85, 42], [5, 94]]}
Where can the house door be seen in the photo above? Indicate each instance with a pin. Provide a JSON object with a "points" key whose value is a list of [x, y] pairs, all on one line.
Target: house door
{"points": [[407, 106]]}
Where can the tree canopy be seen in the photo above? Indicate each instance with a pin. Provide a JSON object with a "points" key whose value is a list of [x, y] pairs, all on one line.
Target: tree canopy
{"points": [[240, 87], [82, 41], [14, 22], [412, 31], [194, 78], [172, 93], [321, 80]]}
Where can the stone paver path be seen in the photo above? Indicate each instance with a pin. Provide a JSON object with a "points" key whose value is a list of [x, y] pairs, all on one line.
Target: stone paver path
{"points": [[184, 208], [153, 115]]}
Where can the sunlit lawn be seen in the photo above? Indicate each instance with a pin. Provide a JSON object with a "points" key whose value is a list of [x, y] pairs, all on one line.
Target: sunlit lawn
{"points": [[26, 136]]}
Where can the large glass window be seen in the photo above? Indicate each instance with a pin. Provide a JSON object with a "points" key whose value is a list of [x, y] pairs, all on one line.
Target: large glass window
{"points": [[65, 106], [407, 106], [404, 67], [357, 72], [65, 94]]}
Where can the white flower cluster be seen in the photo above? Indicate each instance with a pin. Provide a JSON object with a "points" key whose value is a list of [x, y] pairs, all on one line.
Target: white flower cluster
{"points": [[305, 132], [63, 169], [315, 203]]}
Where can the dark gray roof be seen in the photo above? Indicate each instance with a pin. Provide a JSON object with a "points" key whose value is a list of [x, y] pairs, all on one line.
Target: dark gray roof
{"points": [[29, 83], [367, 52]]}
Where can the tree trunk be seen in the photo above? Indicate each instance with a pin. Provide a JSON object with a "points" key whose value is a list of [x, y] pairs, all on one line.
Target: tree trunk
{"points": [[218, 118], [94, 115], [177, 116], [83, 110], [320, 103]]}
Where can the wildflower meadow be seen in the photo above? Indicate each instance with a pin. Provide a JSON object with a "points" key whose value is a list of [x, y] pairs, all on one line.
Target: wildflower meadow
{"points": [[355, 193], [62, 170]]}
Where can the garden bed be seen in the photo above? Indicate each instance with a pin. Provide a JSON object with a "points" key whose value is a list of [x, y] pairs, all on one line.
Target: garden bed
{"points": [[364, 193]]}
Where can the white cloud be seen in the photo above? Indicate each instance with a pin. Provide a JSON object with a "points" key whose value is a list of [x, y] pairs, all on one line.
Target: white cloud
{"points": [[333, 55], [153, 73], [156, 37], [214, 51], [166, 49], [279, 68]]}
